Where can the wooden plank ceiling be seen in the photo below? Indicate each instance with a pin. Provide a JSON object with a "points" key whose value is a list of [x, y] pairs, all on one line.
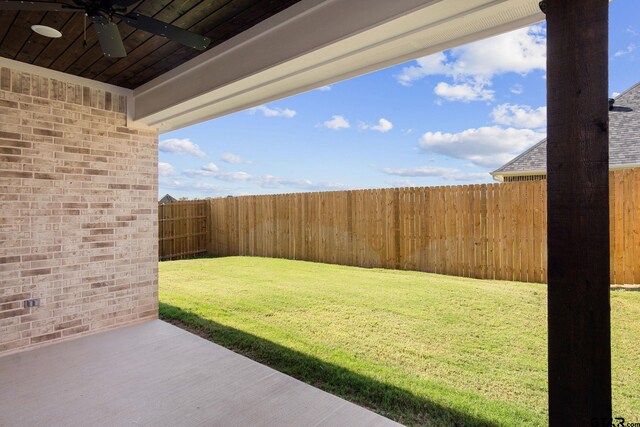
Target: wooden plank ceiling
{"points": [[148, 56]]}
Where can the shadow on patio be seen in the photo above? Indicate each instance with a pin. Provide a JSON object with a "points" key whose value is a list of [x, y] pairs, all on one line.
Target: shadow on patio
{"points": [[155, 374], [332, 378]]}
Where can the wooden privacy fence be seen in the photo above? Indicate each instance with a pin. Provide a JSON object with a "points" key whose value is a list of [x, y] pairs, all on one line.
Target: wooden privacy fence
{"points": [[494, 231], [483, 231], [182, 229]]}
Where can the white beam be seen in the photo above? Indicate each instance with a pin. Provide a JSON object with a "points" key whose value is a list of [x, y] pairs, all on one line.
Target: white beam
{"points": [[315, 43]]}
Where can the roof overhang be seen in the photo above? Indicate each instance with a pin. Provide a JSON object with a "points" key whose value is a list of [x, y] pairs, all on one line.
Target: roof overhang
{"points": [[315, 43], [148, 54], [310, 44]]}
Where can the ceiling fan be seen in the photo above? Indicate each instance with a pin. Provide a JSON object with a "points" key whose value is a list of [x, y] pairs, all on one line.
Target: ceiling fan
{"points": [[102, 12]]}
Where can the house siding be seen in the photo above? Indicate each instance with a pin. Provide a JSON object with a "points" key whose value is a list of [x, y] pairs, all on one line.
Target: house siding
{"points": [[78, 228]]}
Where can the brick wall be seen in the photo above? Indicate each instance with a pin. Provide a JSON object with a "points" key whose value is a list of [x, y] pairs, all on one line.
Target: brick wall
{"points": [[78, 222]]}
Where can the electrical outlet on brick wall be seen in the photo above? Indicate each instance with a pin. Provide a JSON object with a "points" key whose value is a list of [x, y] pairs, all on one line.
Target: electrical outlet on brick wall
{"points": [[32, 302]]}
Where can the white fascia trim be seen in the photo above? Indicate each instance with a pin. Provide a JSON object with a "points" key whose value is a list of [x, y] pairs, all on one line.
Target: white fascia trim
{"points": [[501, 175], [521, 173], [625, 166], [274, 24], [319, 43]]}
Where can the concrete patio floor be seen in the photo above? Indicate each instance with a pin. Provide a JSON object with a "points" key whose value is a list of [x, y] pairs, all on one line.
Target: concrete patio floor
{"points": [[154, 374]]}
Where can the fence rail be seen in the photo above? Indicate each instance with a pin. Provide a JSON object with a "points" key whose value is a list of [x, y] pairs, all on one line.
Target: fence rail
{"points": [[493, 231]]}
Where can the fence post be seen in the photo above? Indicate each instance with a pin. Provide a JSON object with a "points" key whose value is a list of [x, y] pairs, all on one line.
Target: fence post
{"points": [[208, 225], [162, 236]]}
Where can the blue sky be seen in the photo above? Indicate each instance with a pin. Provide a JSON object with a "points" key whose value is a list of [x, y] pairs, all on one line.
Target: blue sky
{"points": [[446, 119]]}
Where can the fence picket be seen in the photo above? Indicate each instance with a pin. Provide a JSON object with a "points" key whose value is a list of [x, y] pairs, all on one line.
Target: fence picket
{"points": [[494, 231]]}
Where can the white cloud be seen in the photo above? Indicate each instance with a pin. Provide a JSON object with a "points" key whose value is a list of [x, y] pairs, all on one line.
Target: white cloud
{"points": [[181, 146], [165, 169], [222, 176], [489, 146], [520, 116], [426, 66], [210, 167], [274, 112], [470, 176], [270, 181], [401, 183], [449, 174], [615, 94], [233, 176], [233, 159], [520, 51], [198, 172], [333, 186], [383, 126], [188, 186], [463, 92], [423, 171], [337, 122], [516, 89], [170, 183], [211, 170], [473, 66], [629, 49], [207, 187], [324, 88]]}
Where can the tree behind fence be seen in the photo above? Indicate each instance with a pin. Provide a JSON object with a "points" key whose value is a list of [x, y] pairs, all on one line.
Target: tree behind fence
{"points": [[494, 231]]}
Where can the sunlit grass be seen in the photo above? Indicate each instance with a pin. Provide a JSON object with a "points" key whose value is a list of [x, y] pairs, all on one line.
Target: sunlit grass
{"points": [[420, 348]]}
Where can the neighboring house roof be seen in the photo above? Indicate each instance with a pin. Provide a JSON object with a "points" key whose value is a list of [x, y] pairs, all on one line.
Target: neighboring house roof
{"points": [[167, 199], [624, 140]]}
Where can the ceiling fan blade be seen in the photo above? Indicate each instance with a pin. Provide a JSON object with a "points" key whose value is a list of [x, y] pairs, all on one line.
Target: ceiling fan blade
{"points": [[37, 6], [109, 37], [169, 31], [122, 3]]}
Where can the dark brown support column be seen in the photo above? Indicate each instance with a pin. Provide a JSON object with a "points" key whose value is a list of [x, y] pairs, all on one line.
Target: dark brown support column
{"points": [[578, 212]]}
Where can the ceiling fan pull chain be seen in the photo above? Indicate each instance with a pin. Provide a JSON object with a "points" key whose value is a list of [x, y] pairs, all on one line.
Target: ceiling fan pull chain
{"points": [[84, 41]]}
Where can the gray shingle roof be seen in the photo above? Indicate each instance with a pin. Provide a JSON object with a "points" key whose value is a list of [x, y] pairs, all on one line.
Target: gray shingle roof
{"points": [[624, 139], [167, 199]]}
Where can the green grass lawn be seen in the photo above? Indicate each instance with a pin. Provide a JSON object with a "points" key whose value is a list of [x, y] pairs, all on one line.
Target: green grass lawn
{"points": [[422, 349]]}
